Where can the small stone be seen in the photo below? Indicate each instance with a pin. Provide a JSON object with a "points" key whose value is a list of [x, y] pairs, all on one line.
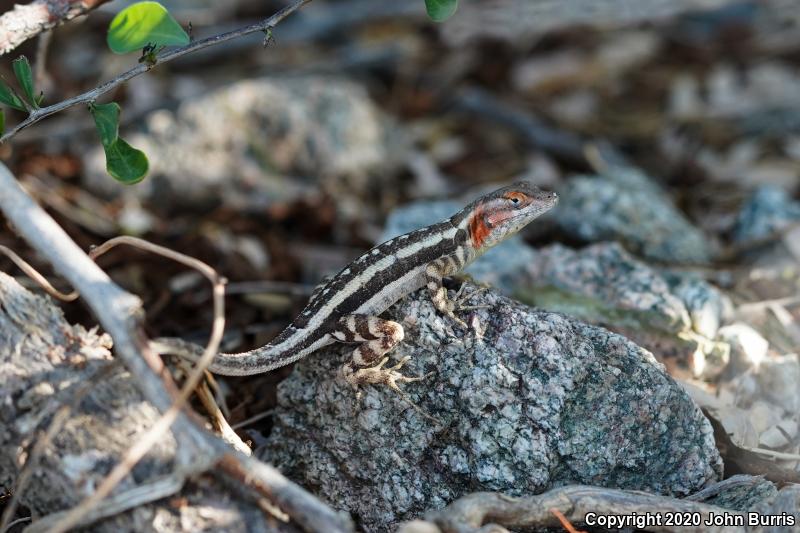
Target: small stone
{"points": [[263, 140], [710, 360], [748, 347], [763, 415], [604, 284], [779, 379], [773, 438], [706, 304]]}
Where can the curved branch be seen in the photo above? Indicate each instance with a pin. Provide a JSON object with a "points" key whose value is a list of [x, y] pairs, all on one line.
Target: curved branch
{"points": [[90, 96], [483, 511], [29, 20]]}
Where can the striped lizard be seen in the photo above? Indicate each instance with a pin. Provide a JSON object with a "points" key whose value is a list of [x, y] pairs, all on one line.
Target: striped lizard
{"points": [[346, 307]]}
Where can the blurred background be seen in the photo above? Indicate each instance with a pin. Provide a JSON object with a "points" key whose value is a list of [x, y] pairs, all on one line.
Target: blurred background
{"points": [[671, 130]]}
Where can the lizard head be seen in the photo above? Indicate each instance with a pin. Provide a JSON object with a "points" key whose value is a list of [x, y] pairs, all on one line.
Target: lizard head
{"points": [[500, 214]]}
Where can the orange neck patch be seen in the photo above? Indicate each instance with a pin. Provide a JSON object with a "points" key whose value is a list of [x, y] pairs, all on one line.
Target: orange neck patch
{"points": [[478, 230]]}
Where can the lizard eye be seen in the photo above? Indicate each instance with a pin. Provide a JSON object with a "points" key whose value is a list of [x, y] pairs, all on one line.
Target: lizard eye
{"points": [[515, 197]]}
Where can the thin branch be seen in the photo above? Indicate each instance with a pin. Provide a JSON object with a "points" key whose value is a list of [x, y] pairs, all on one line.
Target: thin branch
{"points": [[38, 278], [15, 523], [90, 96], [26, 21], [150, 437], [483, 511], [566, 524], [225, 430]]}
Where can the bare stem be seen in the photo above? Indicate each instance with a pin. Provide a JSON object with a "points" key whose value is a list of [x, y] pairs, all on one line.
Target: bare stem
{"points": [[90, 96]]}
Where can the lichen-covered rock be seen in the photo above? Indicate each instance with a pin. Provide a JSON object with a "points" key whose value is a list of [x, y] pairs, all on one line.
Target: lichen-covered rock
{"points": [[624, 205], [259, 140], [527, 401], [43, 360], [669, 314], [499, 267], [770, 209]]}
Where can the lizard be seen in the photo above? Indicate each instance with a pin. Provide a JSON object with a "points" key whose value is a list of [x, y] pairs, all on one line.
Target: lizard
{"points": [[346, 307]]}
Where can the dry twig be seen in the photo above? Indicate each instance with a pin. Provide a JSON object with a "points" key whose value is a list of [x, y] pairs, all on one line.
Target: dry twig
{"points": [[119, 503], [38, 278]]}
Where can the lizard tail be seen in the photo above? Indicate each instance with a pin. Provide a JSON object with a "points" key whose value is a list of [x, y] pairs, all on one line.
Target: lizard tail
{"points": [[280, 352]]}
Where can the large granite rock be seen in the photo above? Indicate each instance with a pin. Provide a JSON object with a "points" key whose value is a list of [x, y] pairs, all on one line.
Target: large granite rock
{"points": [[527, 401]]}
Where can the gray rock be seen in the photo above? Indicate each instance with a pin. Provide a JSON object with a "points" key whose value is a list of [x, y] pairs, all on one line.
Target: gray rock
{"points": [[770, 209], [625, 206], [535, 400], [778, 379], [264, 139], [500, 266], [43, 360], [603, 284], [708, 307]]}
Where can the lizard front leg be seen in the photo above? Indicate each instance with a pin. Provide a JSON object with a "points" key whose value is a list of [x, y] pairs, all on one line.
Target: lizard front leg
{"points": [[434, 272], [378, 337]]}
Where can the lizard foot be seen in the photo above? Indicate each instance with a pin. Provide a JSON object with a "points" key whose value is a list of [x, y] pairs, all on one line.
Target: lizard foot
{"points": [[378, 375], [457, 304], [461, 299], [387, 376]]}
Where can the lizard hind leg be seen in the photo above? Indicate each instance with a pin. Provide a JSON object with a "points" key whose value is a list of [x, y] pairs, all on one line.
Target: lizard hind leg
{"points": [[378, 337]]}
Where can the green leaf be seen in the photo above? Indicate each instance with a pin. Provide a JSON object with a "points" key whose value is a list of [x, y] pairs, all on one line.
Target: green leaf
{"points": [[2, 122], [441, 10], [142, 24], [39, 98], [125, 163], [8, 97], [106, 120], [22, 70]]}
